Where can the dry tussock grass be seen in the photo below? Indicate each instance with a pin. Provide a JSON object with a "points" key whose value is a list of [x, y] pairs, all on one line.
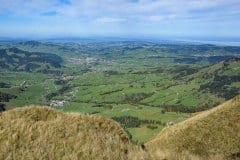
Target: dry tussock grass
{"points": [[210, 133], [185, 155], [42, 133]]}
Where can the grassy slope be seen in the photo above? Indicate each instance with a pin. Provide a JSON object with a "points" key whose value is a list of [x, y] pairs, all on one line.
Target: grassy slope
{"points": [[216, 131], [43, 133]]}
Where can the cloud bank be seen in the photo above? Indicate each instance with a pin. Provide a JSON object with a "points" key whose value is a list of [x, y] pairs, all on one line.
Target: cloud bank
{"points": [[120, 17]]}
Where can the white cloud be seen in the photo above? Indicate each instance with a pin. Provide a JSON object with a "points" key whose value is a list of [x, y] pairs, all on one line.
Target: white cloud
{"points": [[160, 18], [122, 15], [110, 20], [156, 10], [156, 18]]}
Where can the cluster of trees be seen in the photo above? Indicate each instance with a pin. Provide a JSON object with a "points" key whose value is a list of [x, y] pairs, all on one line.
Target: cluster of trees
{"points": [[210, 59], [51, 71], [65, 87], [5, 97], [152, 126], [112, 91], [184, 109], [188, 60], [4, 85], [135, 98], [219, 86], [31, 67], [2, 107], [156, 70], [60, 81], [111, 72], [216, 59], [181, 71], [132, 122], [108, 106], [51, 95]]}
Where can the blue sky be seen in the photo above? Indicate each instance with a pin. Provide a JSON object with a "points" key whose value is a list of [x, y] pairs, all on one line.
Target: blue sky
{"points": [[156, 18]]}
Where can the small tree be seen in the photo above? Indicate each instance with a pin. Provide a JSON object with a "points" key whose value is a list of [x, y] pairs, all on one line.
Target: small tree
{"points": [[163, 111]]}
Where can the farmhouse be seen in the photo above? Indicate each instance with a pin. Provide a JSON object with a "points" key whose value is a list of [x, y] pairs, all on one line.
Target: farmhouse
{"points": [[58, 103]]}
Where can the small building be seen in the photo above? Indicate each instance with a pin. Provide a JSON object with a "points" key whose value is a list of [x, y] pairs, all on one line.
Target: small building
{"points": [[168, 124], [58, 103]]}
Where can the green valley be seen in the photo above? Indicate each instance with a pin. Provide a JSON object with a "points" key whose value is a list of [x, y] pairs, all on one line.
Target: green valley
{"points": [[142, 85]]}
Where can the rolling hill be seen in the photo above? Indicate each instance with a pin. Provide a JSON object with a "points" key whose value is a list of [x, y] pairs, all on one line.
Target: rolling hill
{"points": [[215, 132], [43, 133], [221, 78], [19, 60]]}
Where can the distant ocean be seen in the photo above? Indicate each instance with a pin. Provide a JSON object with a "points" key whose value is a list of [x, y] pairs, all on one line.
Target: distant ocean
{"points": [[220, 41]]}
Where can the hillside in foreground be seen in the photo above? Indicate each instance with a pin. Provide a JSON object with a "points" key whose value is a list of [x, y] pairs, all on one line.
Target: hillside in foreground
{"points": [[43, 133], [213, 132]]}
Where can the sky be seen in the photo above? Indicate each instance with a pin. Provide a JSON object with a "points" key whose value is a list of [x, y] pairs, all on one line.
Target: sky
{"points": [[150, 18]]}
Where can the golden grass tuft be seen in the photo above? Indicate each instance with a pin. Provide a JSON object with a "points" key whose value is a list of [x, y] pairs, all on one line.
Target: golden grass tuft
{"points": [[43, 133], [213, 133]]}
